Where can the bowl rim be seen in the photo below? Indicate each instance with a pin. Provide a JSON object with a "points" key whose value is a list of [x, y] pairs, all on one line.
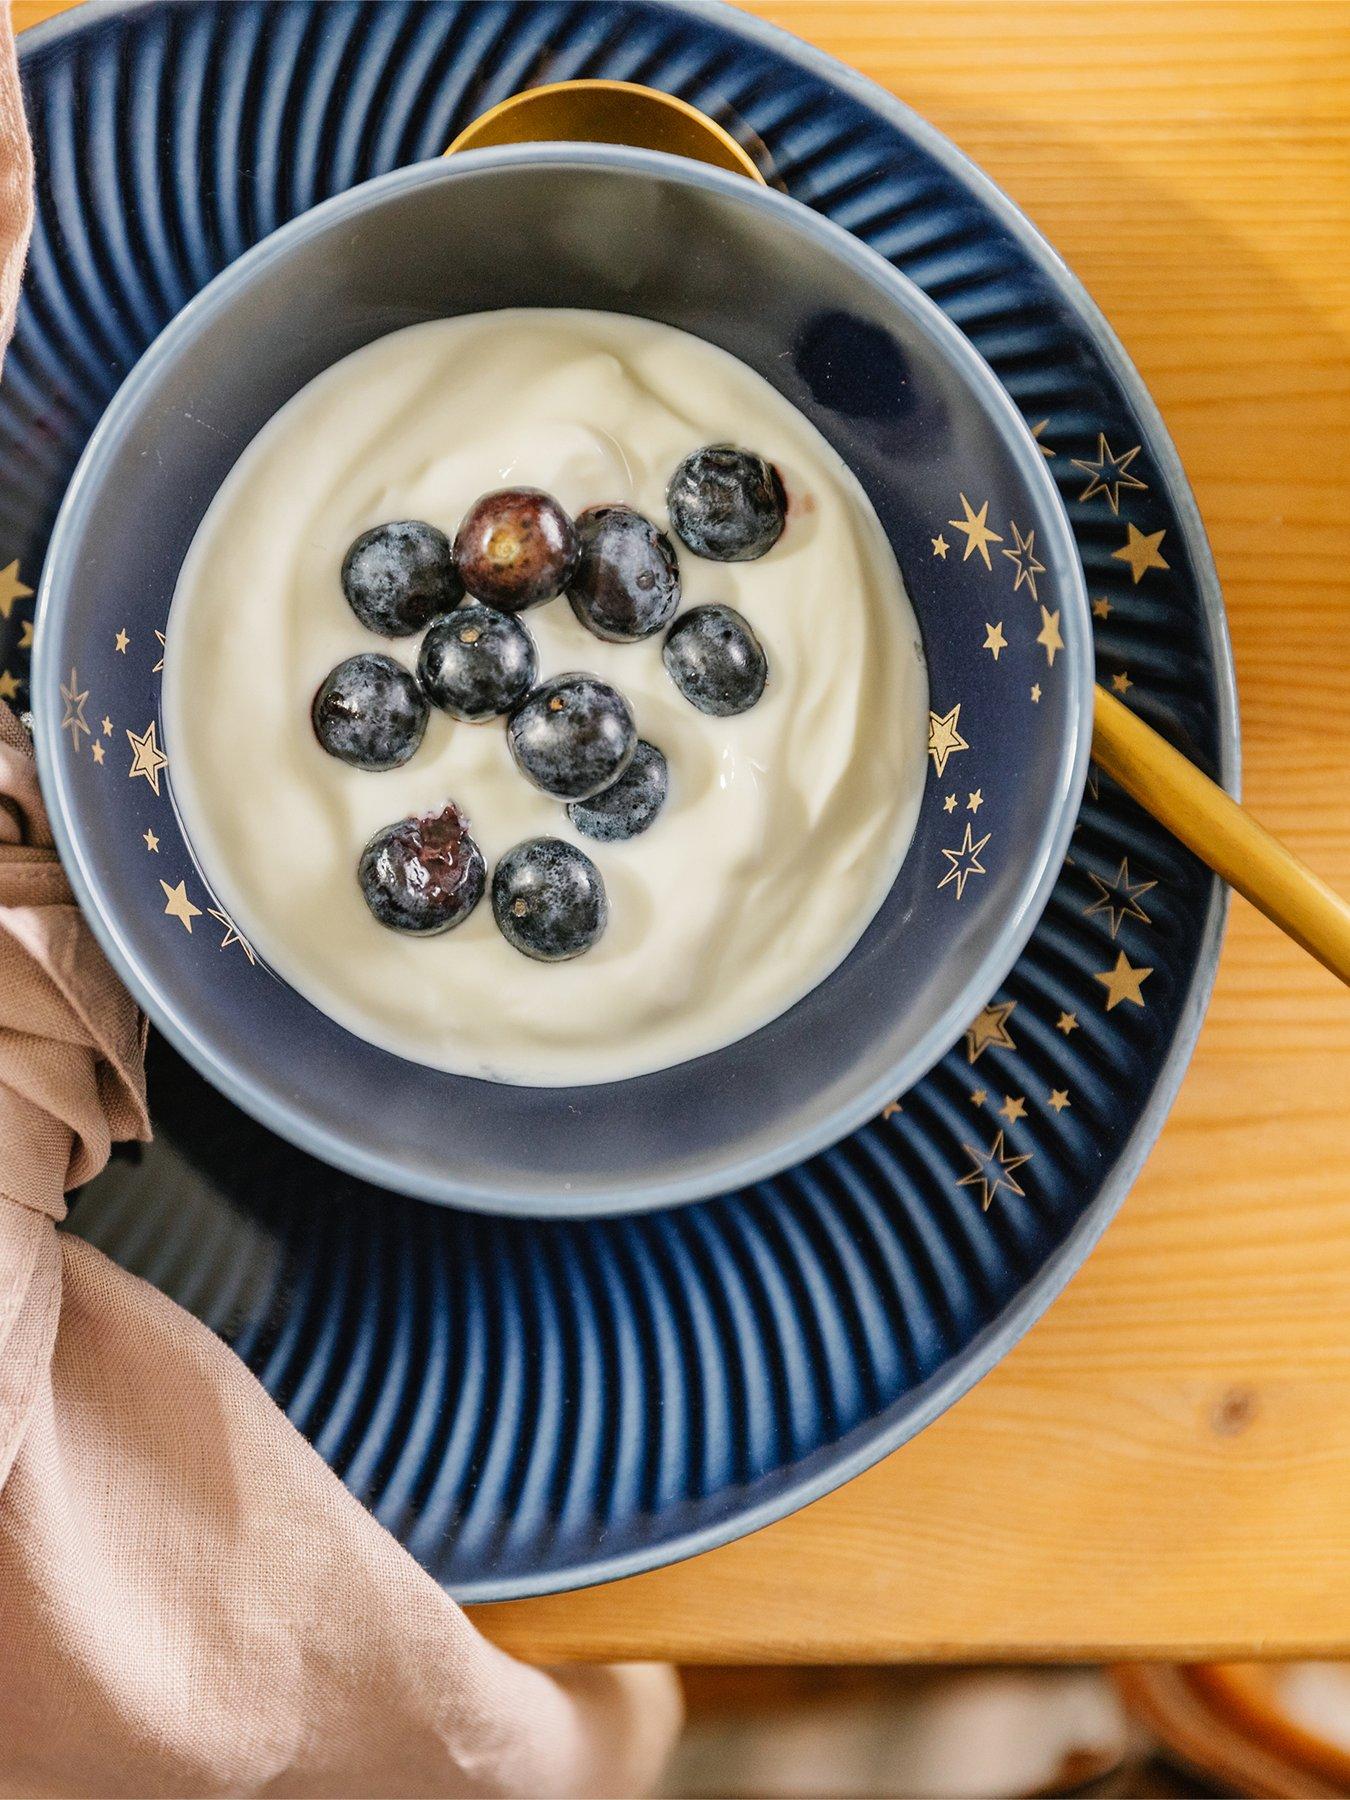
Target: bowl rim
{"points": [[986, 975]]}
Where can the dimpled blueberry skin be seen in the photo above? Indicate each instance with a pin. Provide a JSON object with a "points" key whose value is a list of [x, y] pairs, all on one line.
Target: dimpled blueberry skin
{"points": [[397, 577], [515, 547], [549, 900], [727, 504], [370, 712], [715, 660], [627, 581], [628, 807], [423, 875], [573, 736], [477, 663]]}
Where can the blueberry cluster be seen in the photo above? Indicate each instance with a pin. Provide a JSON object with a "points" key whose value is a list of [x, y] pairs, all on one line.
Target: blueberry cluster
{"points": [[573, 736]]}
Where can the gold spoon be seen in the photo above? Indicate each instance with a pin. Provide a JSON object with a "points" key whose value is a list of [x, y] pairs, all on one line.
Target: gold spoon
{"points": [[1193, 808]]}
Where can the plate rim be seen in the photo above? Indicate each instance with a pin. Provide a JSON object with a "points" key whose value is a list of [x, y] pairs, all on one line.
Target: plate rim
{"points": [[1032, 1301]]}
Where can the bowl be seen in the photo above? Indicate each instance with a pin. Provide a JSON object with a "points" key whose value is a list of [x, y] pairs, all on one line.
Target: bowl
{"points": [[959, 486]]}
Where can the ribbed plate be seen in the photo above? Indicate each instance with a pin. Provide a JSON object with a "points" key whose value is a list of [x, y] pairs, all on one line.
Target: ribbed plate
{"points": [[536, 1406]]}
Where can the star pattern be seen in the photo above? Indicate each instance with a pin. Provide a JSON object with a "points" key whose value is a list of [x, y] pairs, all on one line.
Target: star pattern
{"points": [[151, 841], [73, 719], [156, 667], [1119, 898], [994, 640], [965, 861], [993, 1170], [978, 1097], [949, 804], [1023, 558], [990, 1027], [1048, 635], [940, 547], [1036, 692], [178, 906], [1101, 609], [1123, 982], [147, 758], [120, 643], [106, 722], [11, 588], [976, 528], [1109, 474], [1036, 431], [9, 685], [1140, 550], [1121, 682], [232, 937], [1059, 1099], [1066, 1022], [944, 737], [96, 751], [25, 634], [975, 801], [1014, 1107]]}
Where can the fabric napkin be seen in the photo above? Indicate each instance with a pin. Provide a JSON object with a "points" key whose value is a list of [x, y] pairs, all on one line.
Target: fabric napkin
{"points": [[190, 1601]]}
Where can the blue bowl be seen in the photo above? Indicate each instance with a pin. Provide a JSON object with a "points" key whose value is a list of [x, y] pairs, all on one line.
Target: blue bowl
{"points": [[904, 399]]}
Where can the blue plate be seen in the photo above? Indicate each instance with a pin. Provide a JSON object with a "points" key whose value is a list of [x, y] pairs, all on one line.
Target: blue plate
{"points": [[536, 1406]]}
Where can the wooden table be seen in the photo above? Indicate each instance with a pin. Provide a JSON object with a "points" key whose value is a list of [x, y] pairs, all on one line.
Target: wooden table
{"points": [[1162, 1468]]}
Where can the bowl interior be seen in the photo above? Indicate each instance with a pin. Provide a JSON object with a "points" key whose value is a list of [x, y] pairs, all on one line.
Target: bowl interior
{"points": [[945, 461]]}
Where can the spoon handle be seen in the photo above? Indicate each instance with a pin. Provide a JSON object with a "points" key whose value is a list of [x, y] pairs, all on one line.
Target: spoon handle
{"points": [[1207, 820]]}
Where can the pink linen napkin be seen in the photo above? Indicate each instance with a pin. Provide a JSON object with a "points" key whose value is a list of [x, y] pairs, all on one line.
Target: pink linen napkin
{"points": [[190, 1601]]}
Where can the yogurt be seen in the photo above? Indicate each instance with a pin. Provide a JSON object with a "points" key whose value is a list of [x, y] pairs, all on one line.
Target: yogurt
{"points": [[784, 826]]}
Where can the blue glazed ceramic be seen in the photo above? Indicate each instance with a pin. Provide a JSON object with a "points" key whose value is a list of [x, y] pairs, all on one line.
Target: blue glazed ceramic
{"points": [[683, 1376], [960, 487]]}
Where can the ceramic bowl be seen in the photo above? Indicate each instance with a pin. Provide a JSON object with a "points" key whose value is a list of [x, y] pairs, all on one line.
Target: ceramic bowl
{"points": [[959, 486]]}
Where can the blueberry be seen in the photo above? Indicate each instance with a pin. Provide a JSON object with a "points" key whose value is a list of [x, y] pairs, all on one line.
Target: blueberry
{"points": [[423, 875], [573, 736], [548, 899], [369, 712], [627, 581], [715, 660], [515, 548], [397, 577], [631, 804], [727, 504], [477, 663]]}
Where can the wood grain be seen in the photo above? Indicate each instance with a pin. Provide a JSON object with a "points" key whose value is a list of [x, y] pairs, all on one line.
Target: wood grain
{"points": [[1163, 1465]]}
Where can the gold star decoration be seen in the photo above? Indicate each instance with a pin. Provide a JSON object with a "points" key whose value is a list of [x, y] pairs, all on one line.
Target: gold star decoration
{"points": [[1109, 474], [965, 862], [178, 906], [232, 937], [940, 547], [1036, 692], [1036, 431], [1059, 1098], [97, 752], [944, 737], [147, 758], [978, 535], [121, 641], [949, 804], [1066, 1022], [990, 1027], [1109, 897], [1101, 609], [151, 841], [25, 634], [978, 1097], [1048, 635], [1001, 1164], [73, 718], [975, 801], [994, 639], [106, 722], [1123, 982], [11, 588], [9, 685], [1013, 1108], [1140, 551], [156, 667], [1121, 683], [1024, 560]]}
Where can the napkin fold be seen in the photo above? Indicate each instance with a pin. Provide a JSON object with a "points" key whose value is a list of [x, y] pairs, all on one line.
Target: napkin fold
{"points": [[191, 1603]]}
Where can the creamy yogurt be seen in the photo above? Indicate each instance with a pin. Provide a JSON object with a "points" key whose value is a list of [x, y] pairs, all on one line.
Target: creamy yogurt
{"points": [[784, 827]]}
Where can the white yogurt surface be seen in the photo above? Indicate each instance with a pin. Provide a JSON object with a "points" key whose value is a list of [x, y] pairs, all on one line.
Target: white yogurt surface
{"points": [[784, 827]]}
